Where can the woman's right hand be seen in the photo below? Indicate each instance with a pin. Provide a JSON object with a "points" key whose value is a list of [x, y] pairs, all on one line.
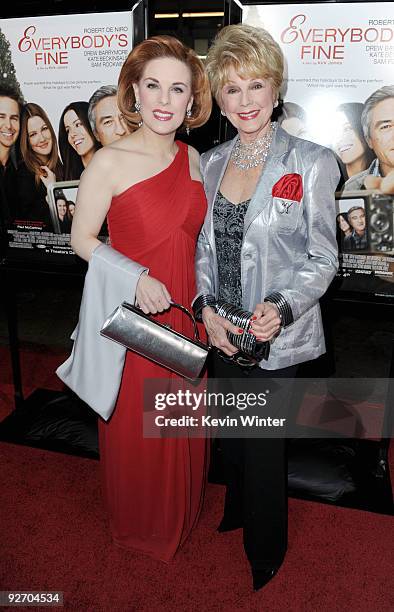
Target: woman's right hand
{"points": [[151, 295], [217, 328]]}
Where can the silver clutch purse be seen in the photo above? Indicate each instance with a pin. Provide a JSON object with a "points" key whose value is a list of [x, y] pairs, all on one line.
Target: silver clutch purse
{"points": [[135, 330]]}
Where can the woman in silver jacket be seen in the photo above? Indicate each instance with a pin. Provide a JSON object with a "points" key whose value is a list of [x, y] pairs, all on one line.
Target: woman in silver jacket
{"points": [[268, 245]]}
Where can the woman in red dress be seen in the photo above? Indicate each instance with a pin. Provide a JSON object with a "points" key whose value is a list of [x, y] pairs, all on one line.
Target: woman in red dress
{"points": [[149, 185]]}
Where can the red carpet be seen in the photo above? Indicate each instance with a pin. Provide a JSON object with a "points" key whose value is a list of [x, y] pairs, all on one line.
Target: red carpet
{"points": [[38, 364], [54, 537]]}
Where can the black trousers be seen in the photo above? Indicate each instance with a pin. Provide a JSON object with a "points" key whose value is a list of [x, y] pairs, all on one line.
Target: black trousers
{"points": [[256, 478]]}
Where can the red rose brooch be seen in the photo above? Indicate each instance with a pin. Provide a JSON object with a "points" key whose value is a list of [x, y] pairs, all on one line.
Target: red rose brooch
{"points": [[288, 190]]}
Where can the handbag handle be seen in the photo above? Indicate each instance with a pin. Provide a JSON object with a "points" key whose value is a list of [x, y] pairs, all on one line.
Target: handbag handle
{"points": [[186, 311]]}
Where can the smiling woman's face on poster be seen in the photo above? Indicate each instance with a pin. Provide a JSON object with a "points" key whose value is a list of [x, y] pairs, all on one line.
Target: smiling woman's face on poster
{"points": [[78, 136], [40, 138], [347, 144]]}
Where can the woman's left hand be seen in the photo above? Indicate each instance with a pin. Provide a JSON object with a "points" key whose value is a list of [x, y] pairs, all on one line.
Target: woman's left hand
{"points": [[47, 176], [266, 321]]}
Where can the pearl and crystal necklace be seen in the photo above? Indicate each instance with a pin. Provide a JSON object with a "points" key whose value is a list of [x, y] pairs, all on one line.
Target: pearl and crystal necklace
{"points": [[252, 154]]}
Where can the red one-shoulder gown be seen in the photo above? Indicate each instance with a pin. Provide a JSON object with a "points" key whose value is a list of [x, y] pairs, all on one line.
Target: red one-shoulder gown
{"points": [[154, 487]]}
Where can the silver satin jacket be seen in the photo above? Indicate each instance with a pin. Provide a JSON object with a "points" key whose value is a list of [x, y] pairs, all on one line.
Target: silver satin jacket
{"points": [[293, 253]]}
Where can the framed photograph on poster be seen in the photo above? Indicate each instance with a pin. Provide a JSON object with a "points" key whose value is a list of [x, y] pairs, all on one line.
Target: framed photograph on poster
{"points": [[62, 197]]}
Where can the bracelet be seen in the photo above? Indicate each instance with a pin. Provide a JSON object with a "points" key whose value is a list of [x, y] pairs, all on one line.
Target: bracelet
{"points": [[284, 308], [201, 302]]}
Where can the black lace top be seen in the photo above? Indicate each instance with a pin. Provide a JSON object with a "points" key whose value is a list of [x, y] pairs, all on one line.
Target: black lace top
{"points": [[228, 222]]}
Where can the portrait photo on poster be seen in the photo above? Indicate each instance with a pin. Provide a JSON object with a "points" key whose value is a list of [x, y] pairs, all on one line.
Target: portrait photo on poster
{"points": [[351, 223]]}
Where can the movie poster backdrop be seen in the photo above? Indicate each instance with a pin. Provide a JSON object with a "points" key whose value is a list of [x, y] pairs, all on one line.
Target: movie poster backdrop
{"points": [[337, 55], [55, 61]]}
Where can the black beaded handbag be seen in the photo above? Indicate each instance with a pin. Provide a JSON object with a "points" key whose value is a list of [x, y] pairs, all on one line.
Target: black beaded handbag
{"points": [[250, 350]]}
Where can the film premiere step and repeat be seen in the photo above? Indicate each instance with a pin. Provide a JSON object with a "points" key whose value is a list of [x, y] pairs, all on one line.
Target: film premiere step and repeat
{"points": [[338, 57]]}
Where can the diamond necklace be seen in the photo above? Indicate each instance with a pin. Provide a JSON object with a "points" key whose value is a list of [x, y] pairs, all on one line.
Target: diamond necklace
{"points": [[252, 154]]}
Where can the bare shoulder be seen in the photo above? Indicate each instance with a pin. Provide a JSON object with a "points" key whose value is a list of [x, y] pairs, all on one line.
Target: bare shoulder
{"points": [[193, 152], [112, 157], [194, 155], [194, 161], [126, 145], [103, 159]]}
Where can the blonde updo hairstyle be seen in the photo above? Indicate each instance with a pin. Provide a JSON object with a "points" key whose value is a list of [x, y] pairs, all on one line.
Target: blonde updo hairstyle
{"points": [[252, 52], [159, 47]]}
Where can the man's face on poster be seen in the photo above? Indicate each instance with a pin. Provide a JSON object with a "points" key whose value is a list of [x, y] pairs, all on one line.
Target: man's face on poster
{"points": [[109, 122], [381, 134], [61, 208], [9, 122], [357, 220]]}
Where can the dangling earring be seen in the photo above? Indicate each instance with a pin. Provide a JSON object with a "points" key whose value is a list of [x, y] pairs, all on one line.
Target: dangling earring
{"points": [[223, 113], [188, 115], [137, 107]]}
